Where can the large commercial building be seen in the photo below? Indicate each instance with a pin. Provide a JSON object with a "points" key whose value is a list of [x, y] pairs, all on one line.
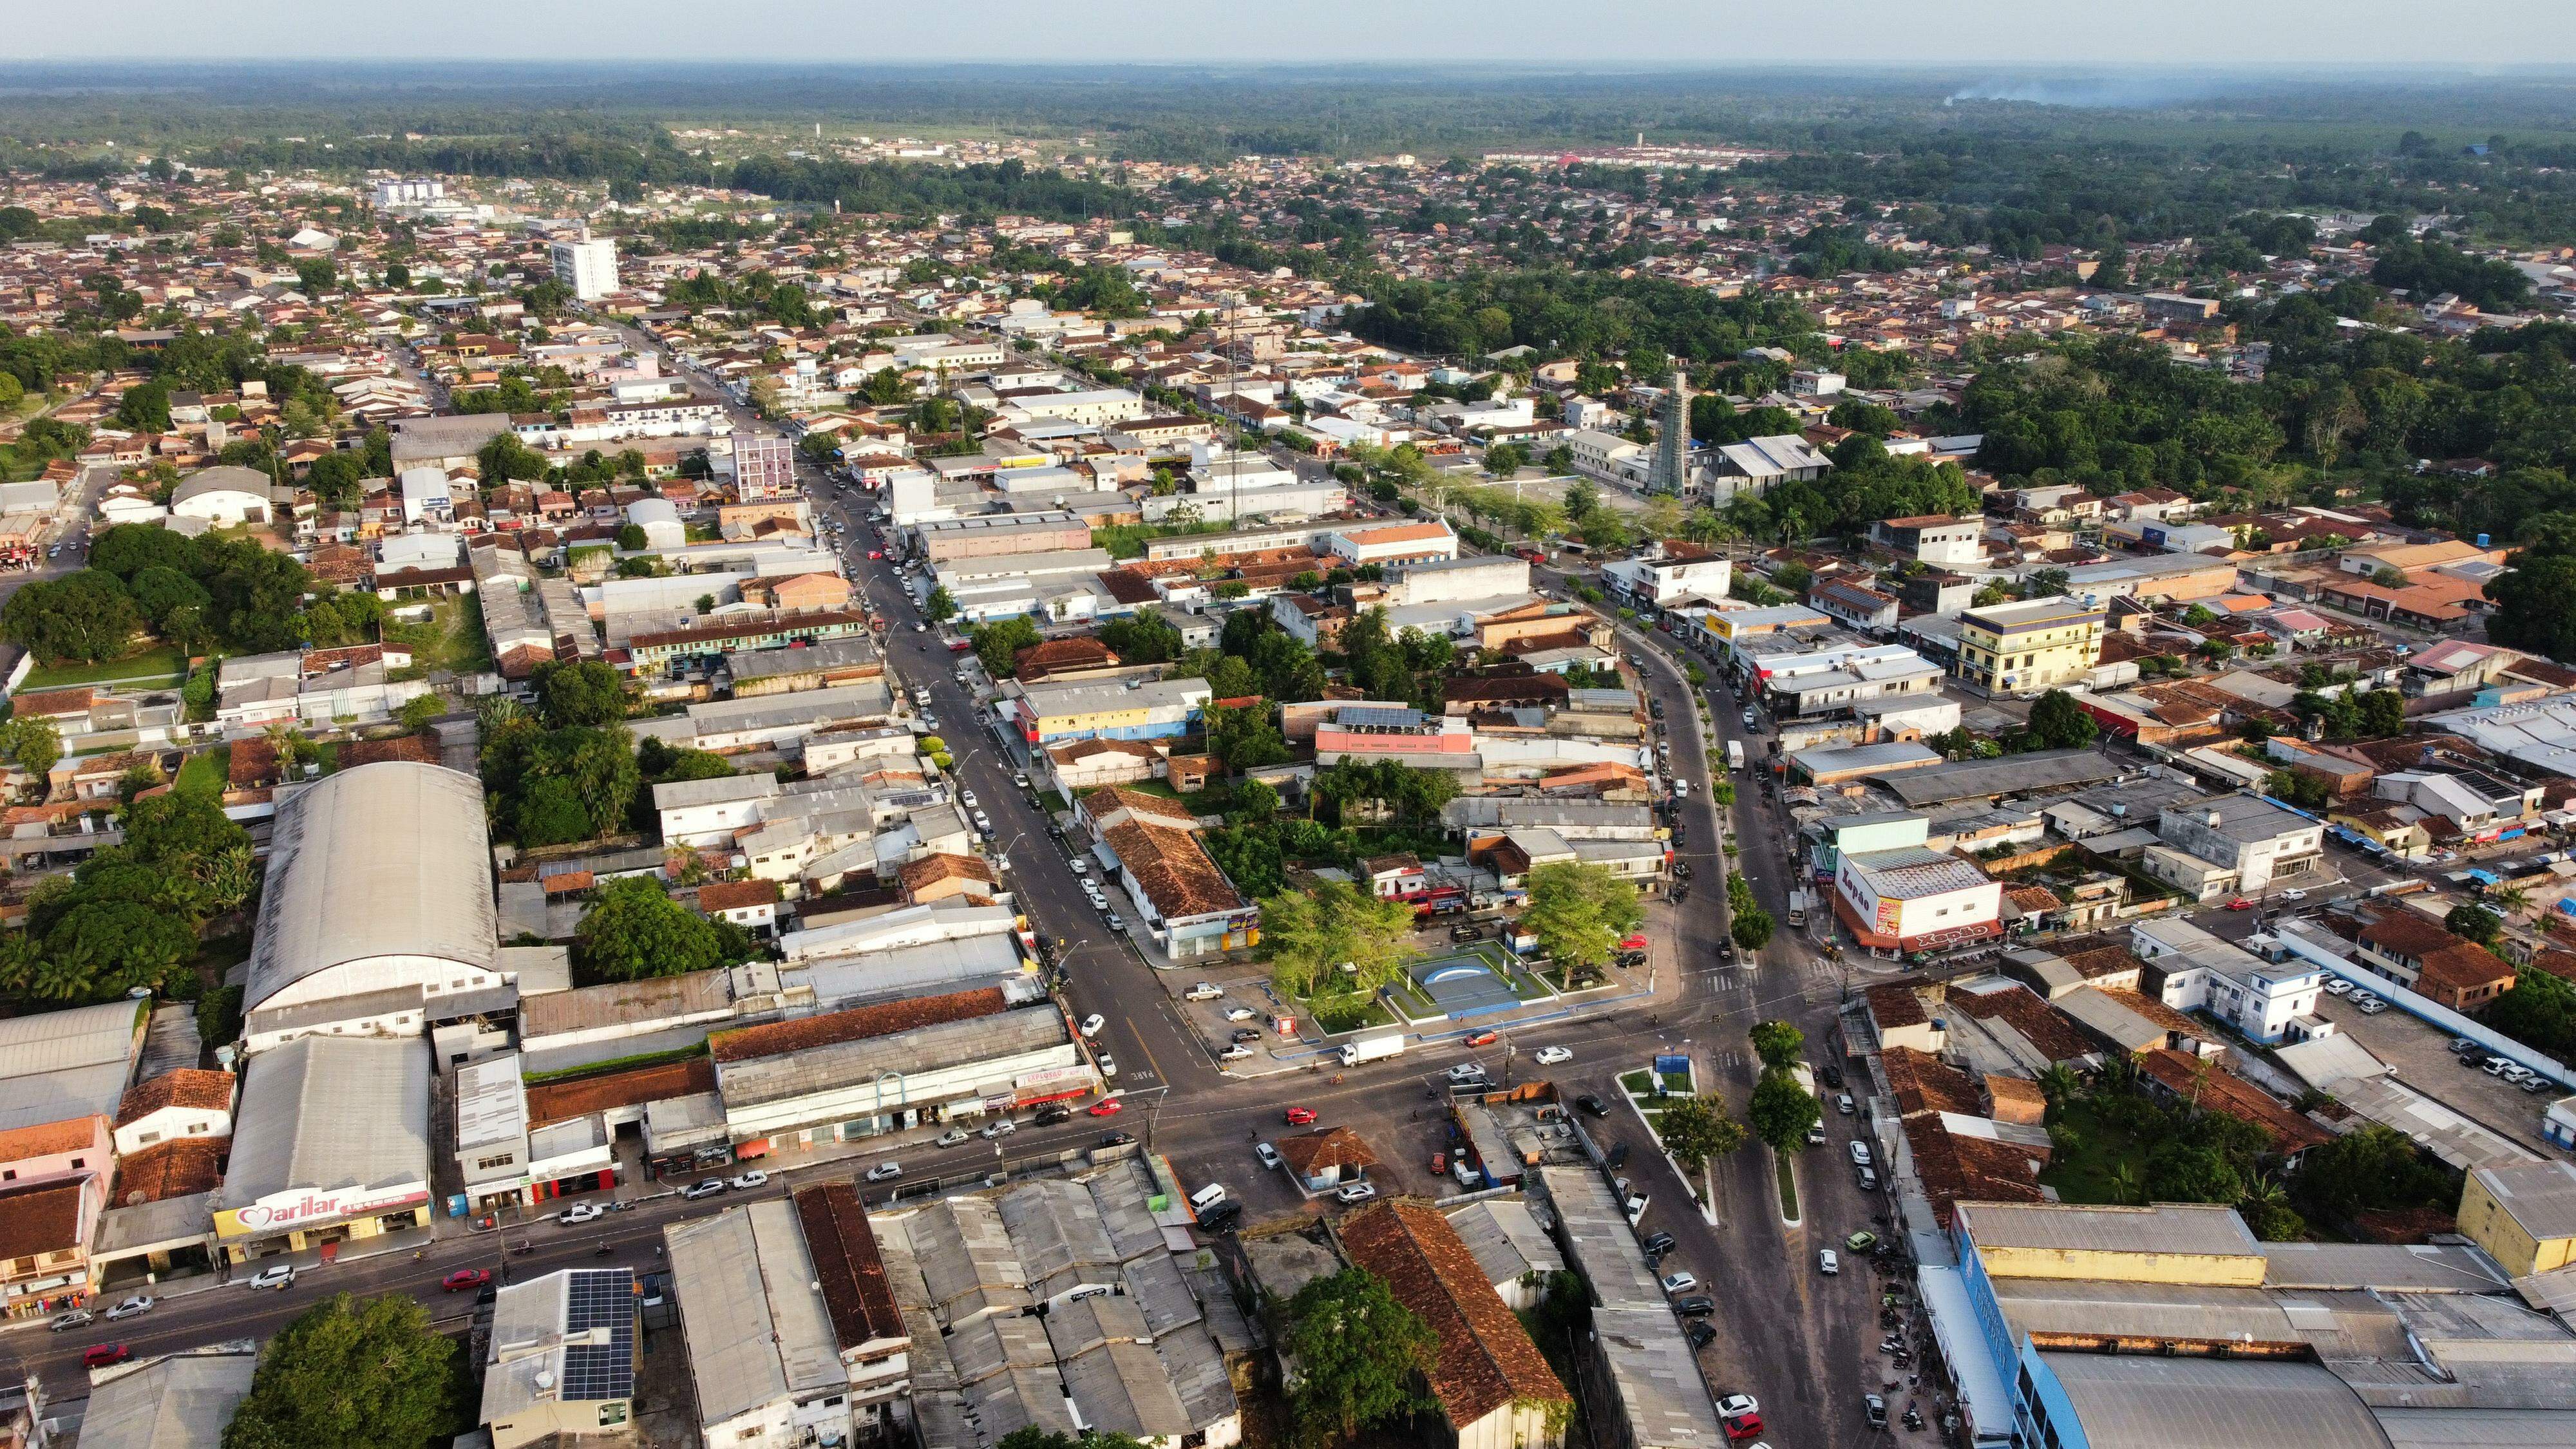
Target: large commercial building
{"points": [[1047, 714], [2030, 647], [377, 916], [762, 466], [331, 1144], [1915, 899]]}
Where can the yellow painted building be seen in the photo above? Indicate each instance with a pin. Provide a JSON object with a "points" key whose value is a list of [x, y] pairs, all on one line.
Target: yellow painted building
{"points": [[2029, 648], [2523, 1215], [2167, 1242]]}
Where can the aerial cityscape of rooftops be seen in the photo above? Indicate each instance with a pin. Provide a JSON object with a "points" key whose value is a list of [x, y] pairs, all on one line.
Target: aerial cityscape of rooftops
{"points": [[807, 758]]}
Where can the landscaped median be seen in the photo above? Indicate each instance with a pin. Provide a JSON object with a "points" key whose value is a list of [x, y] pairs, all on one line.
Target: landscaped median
{"points": [[1665, 1096]]}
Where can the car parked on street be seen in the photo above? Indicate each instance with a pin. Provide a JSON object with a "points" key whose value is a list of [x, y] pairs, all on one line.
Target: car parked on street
{"points": [[696, 1190], [1003, 1128], [75, 1318], [746, 1181], [280, 1277], [1107, 1107], [1092, 1024], [581, 1212], [954, 1137], [1680, 1282]]}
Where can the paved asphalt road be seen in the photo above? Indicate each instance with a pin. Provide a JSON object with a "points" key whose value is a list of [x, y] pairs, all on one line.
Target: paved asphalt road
{"points": [[1795, 1343]]}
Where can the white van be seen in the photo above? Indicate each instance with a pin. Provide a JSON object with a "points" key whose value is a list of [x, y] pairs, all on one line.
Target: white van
{"points": [[1207, 1197]]}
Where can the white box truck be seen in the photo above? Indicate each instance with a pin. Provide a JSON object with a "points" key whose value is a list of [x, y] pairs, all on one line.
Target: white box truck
{"points": [[1372, 1048], [1735, 756]]}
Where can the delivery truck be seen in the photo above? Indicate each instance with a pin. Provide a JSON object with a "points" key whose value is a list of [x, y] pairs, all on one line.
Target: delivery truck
{"points": [[1735, 756], [1372, 1048]]}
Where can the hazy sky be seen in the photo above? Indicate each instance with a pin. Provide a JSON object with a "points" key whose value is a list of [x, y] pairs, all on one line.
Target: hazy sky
{"points": [[2234, 33]]}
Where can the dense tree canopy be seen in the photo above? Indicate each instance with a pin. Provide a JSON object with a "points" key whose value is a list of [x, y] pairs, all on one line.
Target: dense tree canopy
{"points": [[356, 1372]]}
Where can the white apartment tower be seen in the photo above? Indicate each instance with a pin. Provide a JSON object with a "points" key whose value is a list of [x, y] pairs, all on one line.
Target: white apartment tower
{"points": [[588, 265]]}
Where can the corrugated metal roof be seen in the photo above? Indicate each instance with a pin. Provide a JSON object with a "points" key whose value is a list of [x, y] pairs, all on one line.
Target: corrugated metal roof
{"points": [[386, 860], [2128, 1401], [325, 1112], [2203, 1228]]}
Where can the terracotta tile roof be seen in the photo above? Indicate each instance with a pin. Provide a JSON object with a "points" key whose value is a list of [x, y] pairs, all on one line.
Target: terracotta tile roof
{"points": [[1080, 750], [2156, 1011], [414, 749], [2402, 932], [253, 762], [737, 895], [1173, 869], [2215, 1089], [2462, 966], [1042, 659], [194, 1087], [1144, 803], [1485, 1359], [2104, 961], [44, 1218], [778, 1038], [48, 1139], [1956, 1169], [847, 1267], [2027, 1014], [2033, 899], [1925, 1083], [1311, 1152], [1398, 533], [563, 1101], [165, 1170], [2561, 964], [55, 701], [932, 869], [1894, 1003]]}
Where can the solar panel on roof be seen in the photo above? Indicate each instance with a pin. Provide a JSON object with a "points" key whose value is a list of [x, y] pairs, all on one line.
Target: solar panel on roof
{"points": [[1378, 717], [601, 1298]]}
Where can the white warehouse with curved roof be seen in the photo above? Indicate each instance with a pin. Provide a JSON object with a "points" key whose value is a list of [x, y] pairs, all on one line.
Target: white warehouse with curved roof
{"points": [[378, 907]]}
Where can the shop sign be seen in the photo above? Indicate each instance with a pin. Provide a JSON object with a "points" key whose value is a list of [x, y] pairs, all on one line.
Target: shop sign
{"points": [[286, 1212]]}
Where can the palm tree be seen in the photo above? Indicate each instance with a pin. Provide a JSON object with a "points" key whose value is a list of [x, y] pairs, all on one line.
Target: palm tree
{"points": [[2509, 900], [2059, 1084], [2126, 1184]]}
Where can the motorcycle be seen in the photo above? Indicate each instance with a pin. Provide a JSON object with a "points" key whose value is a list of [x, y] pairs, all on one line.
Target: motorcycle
{"points": [[1913, 1418], [603, 1251], [521, 1250]]}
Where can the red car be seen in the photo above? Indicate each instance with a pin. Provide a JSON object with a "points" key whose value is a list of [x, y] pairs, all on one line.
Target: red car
{"points": [[2240, 904], [959, 646], [100, 1355], [1300, 1116], [875, 554], [1636, 942], [1106, 1107], [465, 1278], [1743, 1426], [1483, 1039]]}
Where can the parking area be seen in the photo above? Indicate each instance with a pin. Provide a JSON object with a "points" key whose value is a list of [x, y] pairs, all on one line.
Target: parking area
{"points": [[2421, 1053]]}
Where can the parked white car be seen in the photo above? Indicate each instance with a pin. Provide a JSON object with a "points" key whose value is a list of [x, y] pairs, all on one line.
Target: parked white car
{"points": [[1203, 991], [1827, 1263], [1681, 1282], [1092, 1024]]}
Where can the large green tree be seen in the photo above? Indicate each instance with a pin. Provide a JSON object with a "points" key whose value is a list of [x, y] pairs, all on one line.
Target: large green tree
{"points": [[83, 617], [2057, 722], [633, 930], [1308, 936], [355, 1373], [998, 643], [1363, 1357], [1580, 912], [579, 692], [1777, 1043], [1781, 1111], [1694, 1130]]}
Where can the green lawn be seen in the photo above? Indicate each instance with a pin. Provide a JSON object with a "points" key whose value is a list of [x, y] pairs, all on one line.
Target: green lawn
{"points": [[1637, 1083], [2086, 1165], [207, 772], [451, 639], [157, 668]]}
